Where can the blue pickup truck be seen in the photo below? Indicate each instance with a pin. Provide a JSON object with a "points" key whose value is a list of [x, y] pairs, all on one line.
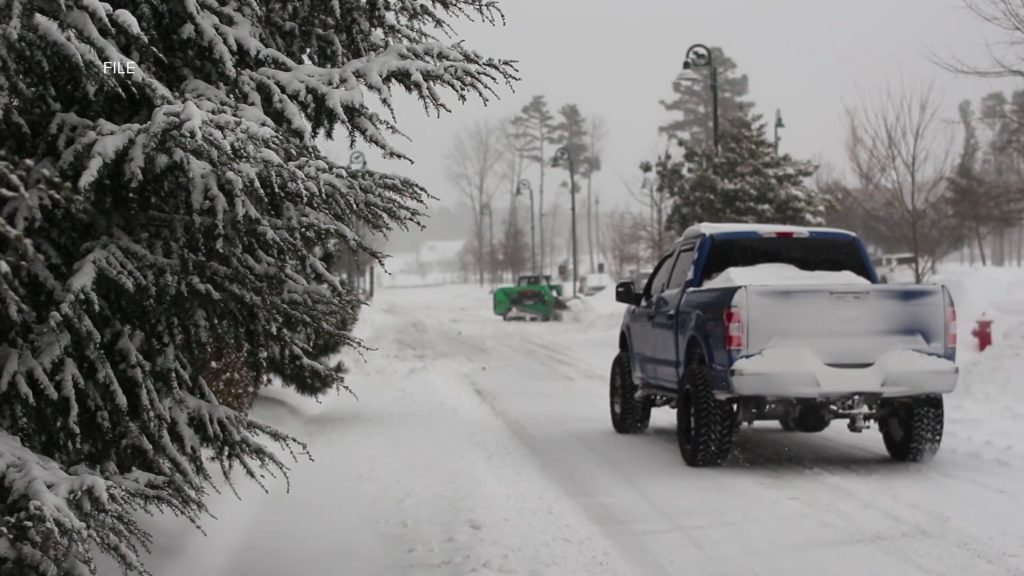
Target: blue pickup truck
{"points": [[742, 322]]}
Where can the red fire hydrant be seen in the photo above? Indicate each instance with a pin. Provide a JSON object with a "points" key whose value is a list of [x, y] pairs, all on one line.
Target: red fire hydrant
{"points": [[983, 332]]}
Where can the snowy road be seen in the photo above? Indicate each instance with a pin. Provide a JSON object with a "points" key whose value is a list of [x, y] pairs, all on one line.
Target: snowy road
{"points": [[485, 447], [784, 504]]}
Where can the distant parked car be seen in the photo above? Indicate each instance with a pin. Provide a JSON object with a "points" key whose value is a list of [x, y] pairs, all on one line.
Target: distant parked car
{"points": [[638, 277], [895, 268], [591, 284]]}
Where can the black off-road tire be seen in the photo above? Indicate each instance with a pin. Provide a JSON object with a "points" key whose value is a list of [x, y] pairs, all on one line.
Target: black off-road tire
{"points": [[630, 415], [704, 424], [912, 429]]}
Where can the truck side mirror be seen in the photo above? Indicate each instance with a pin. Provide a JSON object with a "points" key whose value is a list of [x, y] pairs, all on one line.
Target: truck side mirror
{"points": [[625, 292]]}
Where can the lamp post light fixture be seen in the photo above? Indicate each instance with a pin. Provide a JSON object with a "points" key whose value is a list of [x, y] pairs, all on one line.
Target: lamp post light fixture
{"points": [[699, 56], [524, 184], [563, 155], [357, 160], [778, 126]]}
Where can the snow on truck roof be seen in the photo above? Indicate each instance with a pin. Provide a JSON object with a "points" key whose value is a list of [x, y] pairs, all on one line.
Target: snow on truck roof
{"points": [[711, 228]]}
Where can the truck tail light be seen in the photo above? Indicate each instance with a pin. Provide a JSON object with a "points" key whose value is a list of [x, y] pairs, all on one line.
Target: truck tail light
{"points": [[786, 234], [951, 328], [734, 329]]}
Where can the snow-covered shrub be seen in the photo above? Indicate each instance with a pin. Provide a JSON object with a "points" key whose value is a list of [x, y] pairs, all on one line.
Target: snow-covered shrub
{"points": [[151, 222]]}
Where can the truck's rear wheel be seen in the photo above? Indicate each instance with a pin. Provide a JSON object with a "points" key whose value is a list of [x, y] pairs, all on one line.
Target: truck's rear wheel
{"points": [[630, 415], [912, 430], [704, 424]]}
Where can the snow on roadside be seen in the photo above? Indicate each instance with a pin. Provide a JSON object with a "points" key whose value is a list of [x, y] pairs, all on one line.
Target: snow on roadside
{"points": [[998, 294], [417, 477], [600, 310]]}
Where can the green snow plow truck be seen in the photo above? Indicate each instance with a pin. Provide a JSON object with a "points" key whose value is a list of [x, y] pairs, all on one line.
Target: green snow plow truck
{"points": [[532, 298]]}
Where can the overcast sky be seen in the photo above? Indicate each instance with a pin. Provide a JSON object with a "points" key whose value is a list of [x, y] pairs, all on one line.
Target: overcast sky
{"points": [[617, 59]]}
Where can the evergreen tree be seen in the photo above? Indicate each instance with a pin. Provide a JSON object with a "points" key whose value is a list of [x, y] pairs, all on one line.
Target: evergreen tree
{"points": [[571, 133], [746, 182], [692, 103], [536, 124], [160, 232]]}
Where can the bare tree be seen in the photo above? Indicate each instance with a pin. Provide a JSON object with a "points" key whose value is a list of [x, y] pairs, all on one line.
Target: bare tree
{"points": [[656, 203], [901, 155], [1005, 56], [513, 165], [473, 163], [625, 240]]}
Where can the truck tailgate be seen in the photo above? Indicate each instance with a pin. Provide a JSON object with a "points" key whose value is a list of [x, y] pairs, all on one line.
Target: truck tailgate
{"points": [[844, 326]]}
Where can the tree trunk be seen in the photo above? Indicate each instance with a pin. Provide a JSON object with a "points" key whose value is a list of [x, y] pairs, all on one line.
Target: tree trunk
{"points": [[1020, 245], [540, 214], [590, 222], [981, 245]]}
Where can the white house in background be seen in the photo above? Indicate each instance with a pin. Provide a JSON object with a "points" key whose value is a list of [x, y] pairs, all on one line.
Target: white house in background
{"points": [[440, 253], [435, 262]]}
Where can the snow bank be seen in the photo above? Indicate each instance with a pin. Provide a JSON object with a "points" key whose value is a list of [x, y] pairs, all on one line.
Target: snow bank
{"points": [[779, 274], [600, 310], [996, 293], [420, 477]]}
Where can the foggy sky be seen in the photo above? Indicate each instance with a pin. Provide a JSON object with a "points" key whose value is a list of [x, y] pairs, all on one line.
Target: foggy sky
{"points": [[617, 59]]}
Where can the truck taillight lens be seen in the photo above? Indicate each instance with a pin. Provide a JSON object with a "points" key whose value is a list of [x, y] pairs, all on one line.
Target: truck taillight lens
{"points": [[733, 329], [951, 329]]}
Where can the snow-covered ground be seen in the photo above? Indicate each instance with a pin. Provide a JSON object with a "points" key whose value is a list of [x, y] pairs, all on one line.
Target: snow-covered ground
{"points": [[484, 447]]}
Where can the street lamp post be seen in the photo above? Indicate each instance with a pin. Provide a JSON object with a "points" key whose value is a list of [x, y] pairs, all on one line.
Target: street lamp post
{"points": [[778, 125], [524, 184], [699, 56], [563, 155], [357, 161]]}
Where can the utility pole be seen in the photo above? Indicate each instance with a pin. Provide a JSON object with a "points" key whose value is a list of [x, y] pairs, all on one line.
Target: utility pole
{"points": [[490, 217], [778, 126], [525, 184], [357, 161]]}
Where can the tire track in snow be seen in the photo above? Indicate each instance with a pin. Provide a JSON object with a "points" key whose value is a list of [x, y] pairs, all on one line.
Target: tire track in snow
{"points": [[856, 511], [864, 527]]}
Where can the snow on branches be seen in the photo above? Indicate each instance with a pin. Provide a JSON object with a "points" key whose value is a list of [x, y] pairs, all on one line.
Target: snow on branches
{"points": [[162, 236]]}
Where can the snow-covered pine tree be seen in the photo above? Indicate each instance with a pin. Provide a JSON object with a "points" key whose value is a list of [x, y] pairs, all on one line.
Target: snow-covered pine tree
{"points": [[157, 225], [745, 182]]}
